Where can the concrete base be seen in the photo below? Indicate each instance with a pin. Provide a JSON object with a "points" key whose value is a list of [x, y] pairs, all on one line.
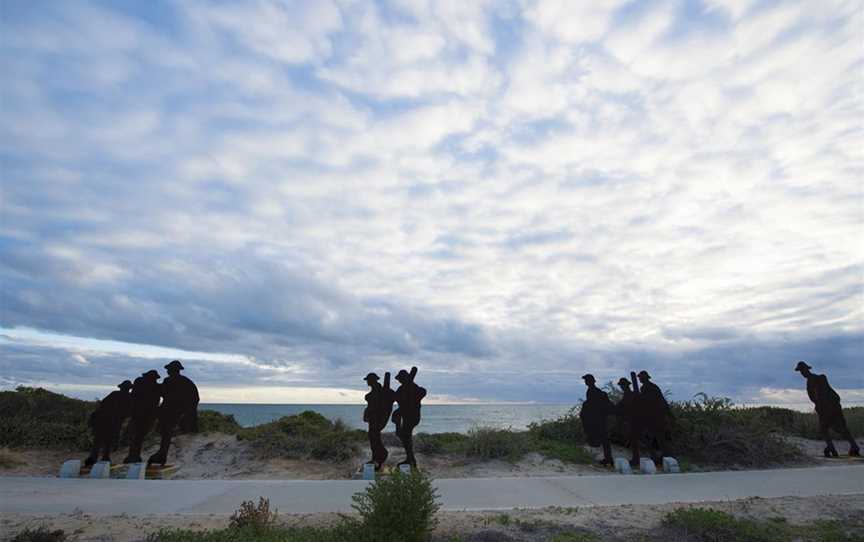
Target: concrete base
{"points": [[622, 466], [406, 469], [646, 466], [369, 471], [71, 469], [670, 464], [102, 469], [137, 471]]}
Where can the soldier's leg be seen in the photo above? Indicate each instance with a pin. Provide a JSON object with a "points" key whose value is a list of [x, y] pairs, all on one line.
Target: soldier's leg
{"points": [[94, 449], [824, 429], [105, 439], [379, 451], [635, 435], [607, 452], [137, 433], [841, 427], [167, 422]]}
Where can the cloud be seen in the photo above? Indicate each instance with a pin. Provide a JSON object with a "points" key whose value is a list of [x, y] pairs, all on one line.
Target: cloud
{"points": [[479, 189]]}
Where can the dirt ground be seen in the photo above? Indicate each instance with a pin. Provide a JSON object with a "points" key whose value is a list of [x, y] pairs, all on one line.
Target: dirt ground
{"points": [[613, 522], [220, 456]]}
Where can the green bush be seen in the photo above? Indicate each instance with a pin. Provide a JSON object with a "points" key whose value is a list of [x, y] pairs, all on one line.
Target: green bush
{"points": [[210, 421], [250, 534], [489, 443], [714, 526], [567, 428], [39, 418], [39, 534], [304, 435], [440, 443], [711, 430], [253, 516], [397, 508]]}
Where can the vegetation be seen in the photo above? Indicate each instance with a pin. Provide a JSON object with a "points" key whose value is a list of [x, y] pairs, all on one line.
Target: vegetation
{"points": [[40, 534], [398, 508], [8, 460], [210, 421], [304, 435], [39, 418], [702, 524]]}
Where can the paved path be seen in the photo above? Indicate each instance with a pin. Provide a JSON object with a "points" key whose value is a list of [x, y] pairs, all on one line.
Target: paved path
{"points": [[55, 496]]}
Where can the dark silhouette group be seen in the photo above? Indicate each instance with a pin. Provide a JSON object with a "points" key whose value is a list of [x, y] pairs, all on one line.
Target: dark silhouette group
{"points": [[645, 413], [173, 402], [377, 414]]}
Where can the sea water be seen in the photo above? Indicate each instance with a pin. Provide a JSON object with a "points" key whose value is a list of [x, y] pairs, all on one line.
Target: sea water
{"points": [[435, 418]]}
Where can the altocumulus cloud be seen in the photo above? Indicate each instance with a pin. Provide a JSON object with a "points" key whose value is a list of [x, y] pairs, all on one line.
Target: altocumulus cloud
{"points": [[507, 194]]}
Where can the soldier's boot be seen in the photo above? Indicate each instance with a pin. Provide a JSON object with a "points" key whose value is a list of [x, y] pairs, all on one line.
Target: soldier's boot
{"points": [[830, 451], [159, 458], [854, 451]]}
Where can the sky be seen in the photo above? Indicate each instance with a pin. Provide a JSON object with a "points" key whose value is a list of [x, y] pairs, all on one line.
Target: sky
{"points": [[288, 195]]}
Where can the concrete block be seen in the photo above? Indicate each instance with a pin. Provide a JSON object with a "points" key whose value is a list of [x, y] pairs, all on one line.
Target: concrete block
{"points": [[369, 471], [670, 464], [101, 469], [71, 469], [622, 466], [406, 469], [137, 471], [647, 466]]}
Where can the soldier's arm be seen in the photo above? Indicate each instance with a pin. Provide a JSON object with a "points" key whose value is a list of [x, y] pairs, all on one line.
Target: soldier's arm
{"points": [[387, 380], [421, 392]]}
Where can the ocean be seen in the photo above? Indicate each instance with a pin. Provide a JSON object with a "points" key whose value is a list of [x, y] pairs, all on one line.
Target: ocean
{"points": [[435, 418]]}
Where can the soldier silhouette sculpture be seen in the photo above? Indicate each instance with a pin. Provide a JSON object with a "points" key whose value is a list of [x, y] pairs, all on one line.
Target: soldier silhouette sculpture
{"points": [[407, 416], [379, 405], [593, 414], [145, 404], [628, 410], [655, 414], [828, 409], [179, 403], [107, 420]]}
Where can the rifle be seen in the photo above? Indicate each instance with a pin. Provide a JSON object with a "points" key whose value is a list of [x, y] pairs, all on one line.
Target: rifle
{"points": [[634, 381]]}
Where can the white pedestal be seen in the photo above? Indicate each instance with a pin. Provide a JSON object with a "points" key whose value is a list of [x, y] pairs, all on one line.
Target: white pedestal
{"points": [[647, 466], [137, 471], [102, 469], [406, 469], [670, 464], [369, 471], [623, 466], [71, 469]]}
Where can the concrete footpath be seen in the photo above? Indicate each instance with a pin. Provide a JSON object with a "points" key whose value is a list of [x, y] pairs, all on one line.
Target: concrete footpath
{"points": [[134, 497]]}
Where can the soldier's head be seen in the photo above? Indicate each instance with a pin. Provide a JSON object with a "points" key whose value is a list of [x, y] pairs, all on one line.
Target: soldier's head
{"points": [[643, 377], [403, 376], [125, 385], [152, 374], [803, 368], [624, 384], [589, 380], [371, 379], [174, 368]]}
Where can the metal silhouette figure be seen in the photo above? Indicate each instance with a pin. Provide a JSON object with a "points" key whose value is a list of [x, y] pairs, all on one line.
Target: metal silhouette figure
{"points": [[593, 414], [145, 405], [655, 415], [106, 420], [828, 409], [179, 402], [627, 408], [379, 405], [407, 416]]}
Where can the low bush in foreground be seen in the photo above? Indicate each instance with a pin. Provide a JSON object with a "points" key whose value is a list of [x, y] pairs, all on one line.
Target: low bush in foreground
{"points": [[304, 435], [396, 508], [706, 525], [40, 534]]}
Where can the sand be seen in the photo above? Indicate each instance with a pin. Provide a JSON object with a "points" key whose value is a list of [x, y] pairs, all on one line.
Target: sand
{"points": [[621, 522]]}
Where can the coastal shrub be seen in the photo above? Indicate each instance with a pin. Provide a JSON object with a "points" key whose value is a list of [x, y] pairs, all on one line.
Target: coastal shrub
{"points": [[40, 534], [251, 515], [712, 525], [39, 418], [304, 435], [397, 508], [566, 428], [249, 534], [210, 421], [711, 430], [440, 443], [490, 443]]}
